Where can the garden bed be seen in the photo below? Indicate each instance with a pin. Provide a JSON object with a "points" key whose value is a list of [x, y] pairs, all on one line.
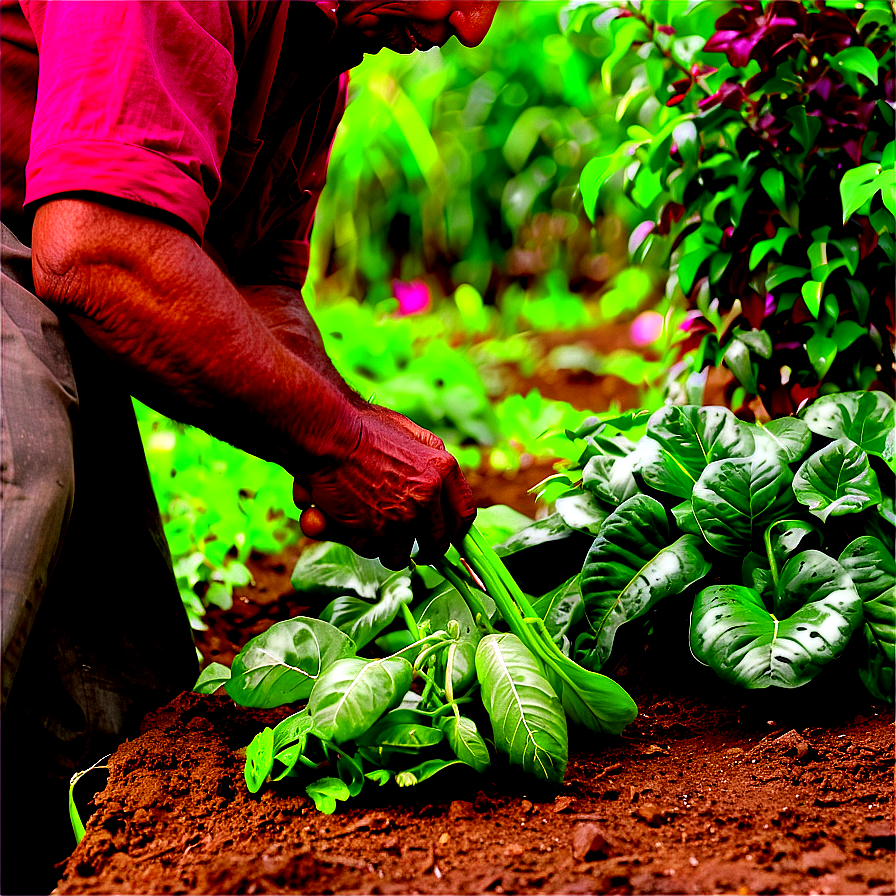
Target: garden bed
{"points": [[711, 789]]}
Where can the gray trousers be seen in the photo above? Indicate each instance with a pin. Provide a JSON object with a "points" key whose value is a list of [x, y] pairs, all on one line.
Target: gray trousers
{"points": [[94, 633]]}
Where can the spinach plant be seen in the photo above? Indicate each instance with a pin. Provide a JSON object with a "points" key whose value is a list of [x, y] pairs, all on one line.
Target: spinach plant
{"points": [[451, 684], [792, 522]]}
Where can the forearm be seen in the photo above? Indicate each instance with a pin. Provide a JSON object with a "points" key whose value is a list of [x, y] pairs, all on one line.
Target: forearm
{"points": [[153, 301]]}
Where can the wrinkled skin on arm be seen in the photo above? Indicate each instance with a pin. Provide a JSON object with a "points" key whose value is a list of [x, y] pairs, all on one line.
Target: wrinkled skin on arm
{"points": [[247, 365]]}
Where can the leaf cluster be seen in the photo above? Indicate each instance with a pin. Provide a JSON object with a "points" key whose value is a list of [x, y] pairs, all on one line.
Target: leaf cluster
{"points": [[447, 683], [788, 528], [764, 158]]}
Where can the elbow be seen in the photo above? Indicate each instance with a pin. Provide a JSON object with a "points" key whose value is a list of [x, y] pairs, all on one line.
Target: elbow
{"points": [[60, 262]]}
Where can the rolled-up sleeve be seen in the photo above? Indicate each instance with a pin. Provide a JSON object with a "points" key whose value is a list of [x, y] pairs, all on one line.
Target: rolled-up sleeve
{"points": [[134, 101]]}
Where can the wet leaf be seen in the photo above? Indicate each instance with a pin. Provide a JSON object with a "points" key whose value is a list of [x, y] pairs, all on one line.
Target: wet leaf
{"points": [[837, 480]]}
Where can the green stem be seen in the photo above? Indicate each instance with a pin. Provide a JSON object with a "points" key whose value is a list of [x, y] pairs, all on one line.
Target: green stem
{"points": [[466, 592], [410, 622], [423, 657], [440, 635], [449, 672], [770, 553]]}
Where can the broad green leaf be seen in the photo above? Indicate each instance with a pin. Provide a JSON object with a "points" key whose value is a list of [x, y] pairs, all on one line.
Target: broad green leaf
{"points": [[351, 774], [259, 759], [805, 128], [499, 522], [735, 499], [595, 174], [685, 519], [293, 727], [811, 291], [758, 341], [821, 351], [757, 575], [857, 59], [804, 576], [737, 359], [624, 36], [282, 664], [861, 299], [837, 480], [350, 695], [331, 568], [846, 333], [466, 741], [561, 608], [858, 186], [872, 569], [325, 792], [772, 180], [551, 528], [400, 738], [788, 435], [784, 273], [361, 620], [379, 776], [610, 478], [580, 510], [866, 418], [734, 634], [590, 699], [528, 722], [690, 264], [446, 605], [690, 438], [425, 770], [775, 244], [634, 563], [211, 678]]}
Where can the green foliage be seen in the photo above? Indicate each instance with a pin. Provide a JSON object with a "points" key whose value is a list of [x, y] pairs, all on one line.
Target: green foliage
{"points": [[702, 493], [763, 160]]}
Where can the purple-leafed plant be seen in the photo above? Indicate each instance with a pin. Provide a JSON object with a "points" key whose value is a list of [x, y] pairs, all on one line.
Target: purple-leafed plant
{"points": [[774, 149]]}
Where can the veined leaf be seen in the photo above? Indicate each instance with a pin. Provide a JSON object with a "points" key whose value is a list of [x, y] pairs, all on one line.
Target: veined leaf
{"points": [[331, 568], [866, 418], [211, 678], [361, 620], [561, 608], [259, 759], [610, 478], [690, 438], [634, 563], [872, 569], [325, 792], [836, 480], [734, 634], [788, 435], [466, 741], [425, 770], [735, 499], [350, 695], [282, 664], [581, 511], [528, 722]]}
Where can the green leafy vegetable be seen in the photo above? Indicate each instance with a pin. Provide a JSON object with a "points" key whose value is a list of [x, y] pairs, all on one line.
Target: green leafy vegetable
{"points": [[325, 792], [527, 719], [837, 479]]}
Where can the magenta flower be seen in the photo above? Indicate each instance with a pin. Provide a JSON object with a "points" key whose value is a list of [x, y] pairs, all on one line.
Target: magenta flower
{"points": [[646, 328], [413, 297]]}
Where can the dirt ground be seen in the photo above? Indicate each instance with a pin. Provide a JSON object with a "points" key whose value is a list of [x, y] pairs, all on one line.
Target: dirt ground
{"points": [[711, 790]]}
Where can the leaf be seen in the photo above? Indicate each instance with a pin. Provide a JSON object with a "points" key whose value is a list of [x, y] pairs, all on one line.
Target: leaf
{"points": [[292, 728], [861, 299], [211, 678], [282, 664], [858, 186], [379, 776], [821, 351], [735, 499], [595, 174], [871, 567], [846, 333], [401, 738], [690, 264], [857, 59], [811, 292], [690, 438], [424, 771], [758, 341], [466, 741], [259, 760], [580, 510], [363, 621], [633, 564], [734, 634], [499, 522], [551, 528], [866, 418], [737, 358], [788, 435], [528, 722], [685, 519], [784, 273], [610, 478], [350, 695], [331, 568], [444, 606], [325, 792], [561, 608], [772, 181], [837, 480]]}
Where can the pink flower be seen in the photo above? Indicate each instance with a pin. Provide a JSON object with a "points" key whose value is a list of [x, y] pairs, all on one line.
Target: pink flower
{"points": [[413, 297], [646, 328]]}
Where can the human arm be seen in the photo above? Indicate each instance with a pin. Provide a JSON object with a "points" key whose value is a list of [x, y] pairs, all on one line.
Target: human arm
{"points": [[246, 370]]}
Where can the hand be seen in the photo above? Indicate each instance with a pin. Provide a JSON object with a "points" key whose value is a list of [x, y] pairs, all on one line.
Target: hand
{"points": [[398, 486]]}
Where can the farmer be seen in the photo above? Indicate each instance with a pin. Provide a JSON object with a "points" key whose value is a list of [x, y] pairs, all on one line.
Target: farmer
{"points": [[161, 165]]}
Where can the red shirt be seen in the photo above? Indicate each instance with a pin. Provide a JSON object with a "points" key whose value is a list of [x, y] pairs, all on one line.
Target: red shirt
{"points": [[222, 114]]}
